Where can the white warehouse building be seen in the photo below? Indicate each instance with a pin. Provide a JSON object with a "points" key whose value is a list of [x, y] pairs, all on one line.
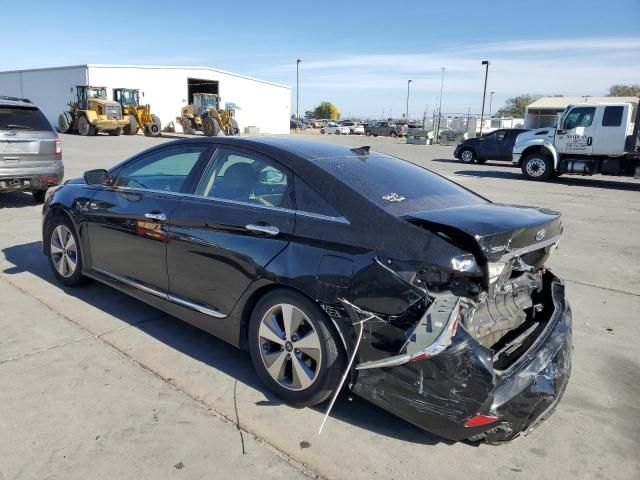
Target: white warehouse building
{"points": [[262, 104]]}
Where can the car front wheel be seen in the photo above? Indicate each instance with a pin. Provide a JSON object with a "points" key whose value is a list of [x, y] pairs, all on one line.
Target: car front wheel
{"points": [[467, 155], [293, 348], [64, 251]]}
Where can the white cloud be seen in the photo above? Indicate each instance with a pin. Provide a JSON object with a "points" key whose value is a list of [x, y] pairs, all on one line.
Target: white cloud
{"points": [[565, 66]]}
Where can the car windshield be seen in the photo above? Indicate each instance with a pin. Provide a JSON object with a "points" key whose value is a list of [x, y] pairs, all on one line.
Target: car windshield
{"points": [[23, 118], [398, 186]]}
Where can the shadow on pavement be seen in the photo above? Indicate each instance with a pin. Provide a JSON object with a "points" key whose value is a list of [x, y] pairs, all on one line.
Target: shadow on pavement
{"points": [[206, 348], [564, 180], [16, 200]]}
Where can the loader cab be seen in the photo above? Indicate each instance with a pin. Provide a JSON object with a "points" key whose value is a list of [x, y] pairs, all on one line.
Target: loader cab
{"points": [[126, 96], [205, 101], [86, 92]]}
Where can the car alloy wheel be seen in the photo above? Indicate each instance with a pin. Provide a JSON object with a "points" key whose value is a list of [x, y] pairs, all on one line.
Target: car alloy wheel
{"points": [[290, 347], [466, 156], [64, 251]]}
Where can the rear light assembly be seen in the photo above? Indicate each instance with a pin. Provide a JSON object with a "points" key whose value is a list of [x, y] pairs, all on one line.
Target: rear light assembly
{"points": [[480, 420], [58, 148]]}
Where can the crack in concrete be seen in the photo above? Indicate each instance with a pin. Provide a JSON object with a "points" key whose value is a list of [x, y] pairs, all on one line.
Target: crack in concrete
{"points": [[235, 407]]}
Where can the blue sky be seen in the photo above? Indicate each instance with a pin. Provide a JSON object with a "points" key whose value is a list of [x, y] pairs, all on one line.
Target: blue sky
{"points": [[358, 55]]}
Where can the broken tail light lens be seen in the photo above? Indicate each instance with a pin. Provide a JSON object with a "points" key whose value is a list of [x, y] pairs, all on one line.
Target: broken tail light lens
{"points": [[480, 420]]}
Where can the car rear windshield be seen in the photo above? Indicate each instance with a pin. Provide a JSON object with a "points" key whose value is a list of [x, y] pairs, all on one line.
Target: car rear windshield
{"points": [[398, 186], [23, 118]]}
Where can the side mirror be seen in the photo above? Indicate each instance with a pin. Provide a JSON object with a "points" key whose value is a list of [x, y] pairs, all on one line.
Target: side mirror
{"points": [[98, 176]]}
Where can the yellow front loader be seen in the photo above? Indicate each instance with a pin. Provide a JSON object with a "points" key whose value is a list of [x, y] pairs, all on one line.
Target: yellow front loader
{"points": [[91, 112], [205, 114], [139, 116]]}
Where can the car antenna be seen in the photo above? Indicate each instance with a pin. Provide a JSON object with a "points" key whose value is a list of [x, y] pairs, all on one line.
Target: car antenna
{"points": [[361, 150]]}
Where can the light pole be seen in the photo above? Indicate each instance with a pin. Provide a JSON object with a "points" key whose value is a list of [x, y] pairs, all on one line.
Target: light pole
{"points": [[407, 117], [298, 89], [490, 103], [484, 93], [437, 139]]}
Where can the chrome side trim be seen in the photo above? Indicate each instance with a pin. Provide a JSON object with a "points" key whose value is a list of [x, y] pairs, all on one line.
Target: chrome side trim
{"points": [[195, 306], [236, 202], [529, 248], [158, 293]]}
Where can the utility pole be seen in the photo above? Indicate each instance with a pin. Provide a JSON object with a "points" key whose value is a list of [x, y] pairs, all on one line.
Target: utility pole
{"points": [[298, 89], [490, 103], [484, 93], [437, 138], [407, 117]]}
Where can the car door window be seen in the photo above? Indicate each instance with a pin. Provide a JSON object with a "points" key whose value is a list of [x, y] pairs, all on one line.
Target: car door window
{"points": [[245, 177], [579, 117], [166, 170]]}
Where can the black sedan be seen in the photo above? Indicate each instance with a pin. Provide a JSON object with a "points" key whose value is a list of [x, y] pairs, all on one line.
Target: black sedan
{"points": [[497, 145], [334, 265]]}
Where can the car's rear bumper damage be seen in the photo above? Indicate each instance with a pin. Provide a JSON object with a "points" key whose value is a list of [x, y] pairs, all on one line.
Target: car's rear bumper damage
{"points": [[448, 383]]}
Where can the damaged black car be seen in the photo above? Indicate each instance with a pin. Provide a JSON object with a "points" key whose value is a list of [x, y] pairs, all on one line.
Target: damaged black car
{"points": [[334, 266]]}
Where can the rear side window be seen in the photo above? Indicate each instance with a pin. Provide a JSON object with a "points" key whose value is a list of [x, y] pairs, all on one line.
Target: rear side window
{"points": [[398, 186], [612, 116], [23, 118], [310, 201]]}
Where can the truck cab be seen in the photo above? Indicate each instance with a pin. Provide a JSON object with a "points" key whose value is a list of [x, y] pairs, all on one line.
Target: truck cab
{"points": [[588, 140]]}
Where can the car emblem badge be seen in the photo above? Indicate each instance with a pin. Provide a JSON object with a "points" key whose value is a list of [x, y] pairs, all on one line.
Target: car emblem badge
{"points": [[393, 197], [540, 235]]}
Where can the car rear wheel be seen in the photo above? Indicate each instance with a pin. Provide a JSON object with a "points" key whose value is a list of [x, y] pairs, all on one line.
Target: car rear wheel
{"points": [[367, 133], [293, 348], [394, 134], [322, 131], [467, 155], [64, 251], [537, 167]]}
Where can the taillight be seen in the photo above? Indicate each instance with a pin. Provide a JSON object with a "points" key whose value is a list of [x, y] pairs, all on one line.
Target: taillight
{"points": [[480, 420], [58, 148]]}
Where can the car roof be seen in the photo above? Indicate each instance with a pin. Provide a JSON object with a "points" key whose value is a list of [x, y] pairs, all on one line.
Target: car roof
{"points": [[15, 102]]}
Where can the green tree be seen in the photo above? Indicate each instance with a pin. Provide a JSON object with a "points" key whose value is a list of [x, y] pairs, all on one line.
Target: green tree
{"points": [[514, 107], [326, 110], [624, 90]]}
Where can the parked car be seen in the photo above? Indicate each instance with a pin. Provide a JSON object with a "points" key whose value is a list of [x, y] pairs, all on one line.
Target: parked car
{"points": [[497, 145], [335, 129], [354, 128], [30, 149], [328, 262], [387, 129], [296, 124]]}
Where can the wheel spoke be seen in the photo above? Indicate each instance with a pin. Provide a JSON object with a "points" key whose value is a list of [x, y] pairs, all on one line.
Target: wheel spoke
{"points": [[55, 250], [58, 264], [59, 236], [309, 344], [302, 374], [275, 364], [270, 330], [71, 243], [291, 319], [71, 264]]}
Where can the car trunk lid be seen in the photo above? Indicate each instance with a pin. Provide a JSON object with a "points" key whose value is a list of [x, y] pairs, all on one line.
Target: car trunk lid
{"points": [[492, 230]]}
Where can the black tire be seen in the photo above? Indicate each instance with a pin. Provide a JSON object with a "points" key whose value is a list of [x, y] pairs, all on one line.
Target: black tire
{"points": [[65, 121], [76, 278], [367, 133], [537, 167], [467, 155], [322, 131], [187, 126], [132, 127], [38, 195], [332, 363], [235, 129], [210, 127], [85, 128], [154, 128], [115, 132]]}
